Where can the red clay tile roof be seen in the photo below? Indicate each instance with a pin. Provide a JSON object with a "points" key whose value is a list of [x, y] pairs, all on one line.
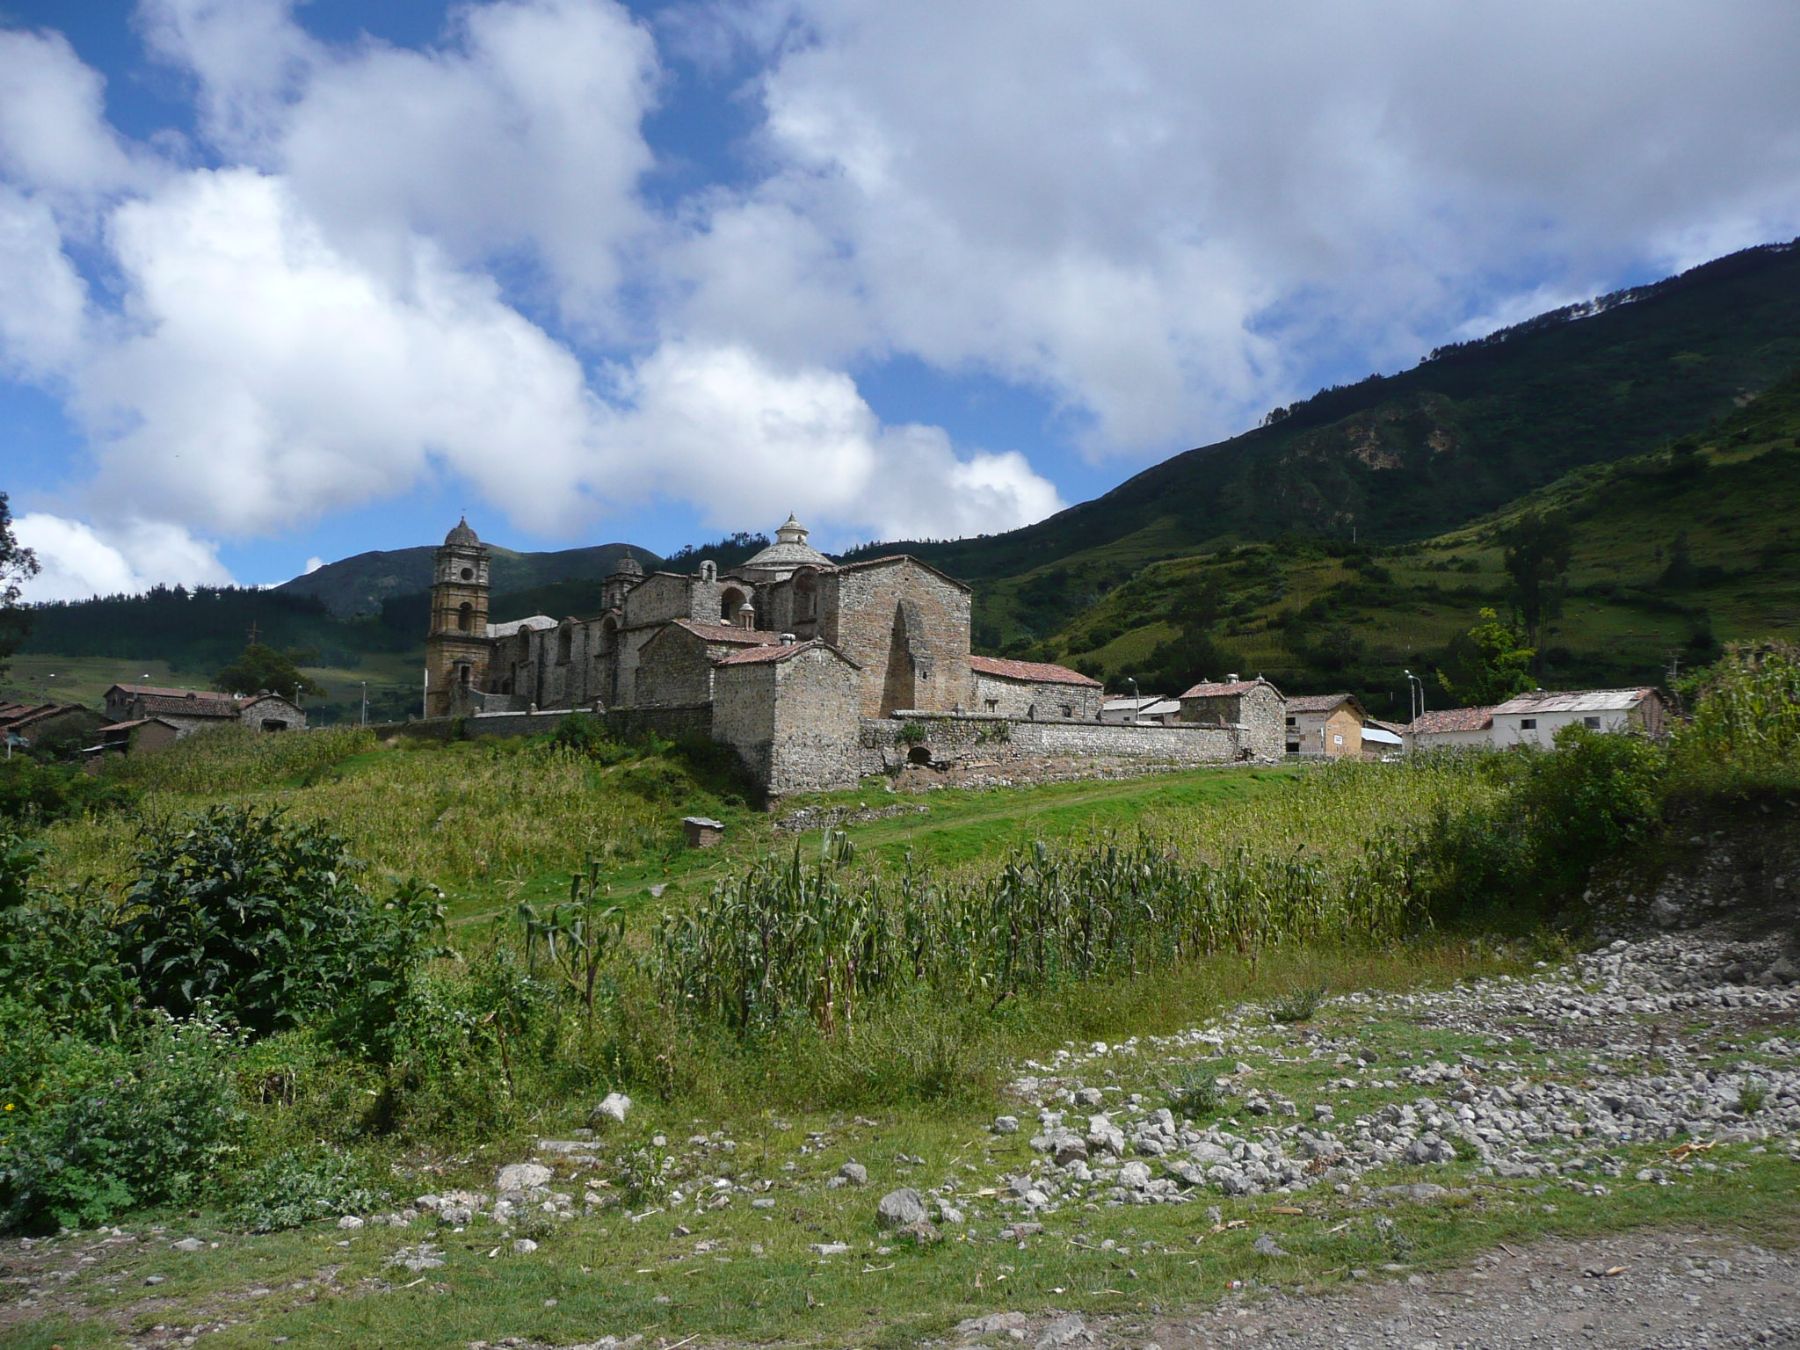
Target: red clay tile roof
{"points": [[137, 722], [164, 691], [1032, 672], [1451, 719], [1225, 690], [1317, 703], [725, 632], [748, 655]]}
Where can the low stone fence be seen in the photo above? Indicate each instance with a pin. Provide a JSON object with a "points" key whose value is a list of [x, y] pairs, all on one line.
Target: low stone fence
{"points": [[987, 746], [688, 721]]}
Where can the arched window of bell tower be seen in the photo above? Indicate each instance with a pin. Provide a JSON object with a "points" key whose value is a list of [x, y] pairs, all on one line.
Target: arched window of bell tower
{"points": [[465, 617]]}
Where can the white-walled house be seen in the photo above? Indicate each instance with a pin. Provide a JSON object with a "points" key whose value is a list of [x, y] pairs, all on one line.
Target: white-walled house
{"points": [[1535, 718]]}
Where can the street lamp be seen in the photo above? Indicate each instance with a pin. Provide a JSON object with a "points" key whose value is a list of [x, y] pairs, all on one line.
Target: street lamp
{"points": [[1415, 690], [1134, 699]]}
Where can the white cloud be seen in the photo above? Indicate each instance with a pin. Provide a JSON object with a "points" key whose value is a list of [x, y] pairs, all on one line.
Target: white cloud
{"points": [[42, 298], [746, 440], [313, 564], [1173, 218], [519, 132], [77, 561], [53, 131]]}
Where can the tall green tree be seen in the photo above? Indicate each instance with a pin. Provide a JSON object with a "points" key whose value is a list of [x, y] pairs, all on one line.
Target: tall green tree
{"points": [[1488, 664], [18, 565], [1536, 557], [260, 666]]}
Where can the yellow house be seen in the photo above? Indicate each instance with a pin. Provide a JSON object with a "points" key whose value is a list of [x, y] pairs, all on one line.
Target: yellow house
{"points": [[1325, 726]]}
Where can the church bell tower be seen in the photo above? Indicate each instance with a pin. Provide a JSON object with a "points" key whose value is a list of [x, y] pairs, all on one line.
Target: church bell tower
{"points": [[457, 645]]}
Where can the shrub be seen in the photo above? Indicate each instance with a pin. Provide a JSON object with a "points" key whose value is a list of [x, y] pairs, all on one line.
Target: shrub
{"points": [[1194, 1093], [57, 952], [299, 1185], [106, 1128], [1746, 725], [913, 733], [263, 918], [1597, 793], [39, 793], [1298, 1006]]}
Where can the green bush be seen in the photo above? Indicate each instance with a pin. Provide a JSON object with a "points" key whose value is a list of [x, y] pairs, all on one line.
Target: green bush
{"points": [[38, 793], [104, 1128], [1745, 732], [57, 952], [300, 1185], [263, 919], [1597, 793]]}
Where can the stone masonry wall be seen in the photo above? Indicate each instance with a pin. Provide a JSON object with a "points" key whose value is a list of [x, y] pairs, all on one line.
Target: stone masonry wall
{"points": [[677, 669], [816, 723], [1006, 743], [858, 607], [743, 713]]}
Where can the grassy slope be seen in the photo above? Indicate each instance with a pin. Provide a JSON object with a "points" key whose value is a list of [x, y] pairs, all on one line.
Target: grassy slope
{"points": [[1738, 505]]}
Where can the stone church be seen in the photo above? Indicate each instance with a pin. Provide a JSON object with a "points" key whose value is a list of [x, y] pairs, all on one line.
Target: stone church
{"points": [[800, 663]]}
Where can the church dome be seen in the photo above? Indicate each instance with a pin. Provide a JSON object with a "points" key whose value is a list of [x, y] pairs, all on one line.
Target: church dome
{"points": [[462, 536], [788, 553]]}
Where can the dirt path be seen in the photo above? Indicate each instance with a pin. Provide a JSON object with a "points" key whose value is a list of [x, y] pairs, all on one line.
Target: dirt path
{"points": [[1672, 1291]]}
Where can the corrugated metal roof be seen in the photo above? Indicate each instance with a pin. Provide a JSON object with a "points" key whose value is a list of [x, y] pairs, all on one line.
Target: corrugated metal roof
{"points": [[1572, 701]]}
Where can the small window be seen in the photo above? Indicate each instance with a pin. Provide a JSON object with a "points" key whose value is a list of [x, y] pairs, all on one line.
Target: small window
{"points": [[468, 574], [993, 704], [1068, 710], [1337, 740], [1292, 722], [1592, 723], [1293, 747], [1528, 724]]}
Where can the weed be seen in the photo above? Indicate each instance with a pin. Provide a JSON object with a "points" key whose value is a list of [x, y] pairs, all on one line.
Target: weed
{"points": [[1298, 1006], [1195, 1093], [1752, 1097]]}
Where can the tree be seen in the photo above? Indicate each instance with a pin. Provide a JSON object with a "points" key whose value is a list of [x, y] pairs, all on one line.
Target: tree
{"points": [[1537, 559], [259, 667], [18, 565], [1491, 663]]}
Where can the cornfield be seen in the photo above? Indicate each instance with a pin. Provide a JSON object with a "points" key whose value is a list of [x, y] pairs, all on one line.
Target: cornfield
{"points": [[805, 940]]}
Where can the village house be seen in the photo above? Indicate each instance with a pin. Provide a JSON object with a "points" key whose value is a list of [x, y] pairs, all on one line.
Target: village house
{"points": [[1255, 707], [1031, 689], [191, 710], [1534, 719], [1327, 726], [24, 726], [1143, 710]]}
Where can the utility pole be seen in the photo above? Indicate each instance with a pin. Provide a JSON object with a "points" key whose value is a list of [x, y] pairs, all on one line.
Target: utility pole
{"points": [[365, 711]]}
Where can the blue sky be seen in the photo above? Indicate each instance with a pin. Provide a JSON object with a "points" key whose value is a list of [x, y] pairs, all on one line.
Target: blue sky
{"points": [[282, 282]]}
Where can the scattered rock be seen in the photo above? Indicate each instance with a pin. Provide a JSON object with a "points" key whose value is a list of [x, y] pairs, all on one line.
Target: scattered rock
{"points": [[613, 1107], [1267, 1246], [854, 1174], [525, 1176], [899, 1208]]}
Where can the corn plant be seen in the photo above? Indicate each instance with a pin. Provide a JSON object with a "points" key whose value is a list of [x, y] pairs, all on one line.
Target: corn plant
{"points": [[575, 939]]}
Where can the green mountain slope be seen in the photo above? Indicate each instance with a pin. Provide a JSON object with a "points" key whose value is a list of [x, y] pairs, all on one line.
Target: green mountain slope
{"points": [[358, 585], [1406, 456], [1674, 552]]}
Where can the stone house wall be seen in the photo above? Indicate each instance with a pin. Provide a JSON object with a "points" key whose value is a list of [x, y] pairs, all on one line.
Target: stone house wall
{"points": [[907, 628], [266, 714], [998, 696], [818, 696], [743, 714]]}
